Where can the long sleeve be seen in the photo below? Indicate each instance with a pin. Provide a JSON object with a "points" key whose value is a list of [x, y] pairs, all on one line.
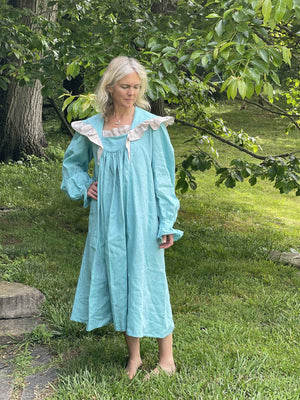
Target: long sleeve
{"points": [[163, 164], [76, 179]]}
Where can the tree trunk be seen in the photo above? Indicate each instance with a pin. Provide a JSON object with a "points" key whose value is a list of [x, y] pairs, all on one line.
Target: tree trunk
{"points": [[21, 128], [158, 107], [164, 6]]}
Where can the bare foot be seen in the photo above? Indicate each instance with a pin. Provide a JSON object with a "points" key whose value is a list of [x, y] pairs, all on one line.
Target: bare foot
{"points": [[168, 369], [132, 367]]}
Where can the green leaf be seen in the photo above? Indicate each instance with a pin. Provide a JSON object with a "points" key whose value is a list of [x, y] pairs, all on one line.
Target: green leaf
{"points": [[268, 89], [244, 28], [276, 56], [205, 60], [216, 52], [266, 9], [226, 83], [67, 101], [253, 180], [230, 182], [260, 65], [168, 66], [275, 78], [151, 42], [182, 59], [182, 185], [250, 89], [85, 105], [240, 48], [157, 47], [193, 185], [196, 55], [169, 49], [73, 69], [140, 42], [272, 172], [280, 9], [297, 11], [220, 27], [225, 46], [242, 88], [3, 84], [232, 89], [173, 88], [208, 77], [286, 54], [253, 74], [263, 55], [258, 87], [213, 15]]}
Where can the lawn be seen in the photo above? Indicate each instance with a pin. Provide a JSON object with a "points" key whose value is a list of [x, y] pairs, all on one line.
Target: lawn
{"points": [[236, 312]]}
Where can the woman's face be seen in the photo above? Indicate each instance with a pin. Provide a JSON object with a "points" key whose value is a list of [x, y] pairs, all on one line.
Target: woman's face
{"points": [[126, 90]]}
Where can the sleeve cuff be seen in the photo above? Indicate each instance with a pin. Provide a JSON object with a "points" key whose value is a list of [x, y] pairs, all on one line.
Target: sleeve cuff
{"points": [[163, 230], [86, 199]]}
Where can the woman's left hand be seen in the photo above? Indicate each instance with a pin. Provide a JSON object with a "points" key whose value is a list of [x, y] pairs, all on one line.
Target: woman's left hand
{"points": [[166, 241]]}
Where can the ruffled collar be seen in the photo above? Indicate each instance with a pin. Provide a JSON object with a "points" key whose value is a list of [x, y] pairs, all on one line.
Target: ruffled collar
{"points": [[92, 128]]}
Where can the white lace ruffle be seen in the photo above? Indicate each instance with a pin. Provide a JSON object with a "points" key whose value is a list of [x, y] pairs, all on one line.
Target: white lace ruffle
{"points": [[90, 132], [137, 132], [133, 134], [122, 130]]}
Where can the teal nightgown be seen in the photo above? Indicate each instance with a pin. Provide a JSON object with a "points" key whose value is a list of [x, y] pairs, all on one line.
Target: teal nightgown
{"points": [[122, 278]]}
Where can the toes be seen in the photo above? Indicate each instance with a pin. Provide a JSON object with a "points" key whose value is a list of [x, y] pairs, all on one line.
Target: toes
{"points": [[132, 369]]}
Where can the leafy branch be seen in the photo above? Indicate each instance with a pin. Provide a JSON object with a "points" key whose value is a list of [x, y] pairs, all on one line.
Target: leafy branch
{"points": [[281, 169], [229, 143]]}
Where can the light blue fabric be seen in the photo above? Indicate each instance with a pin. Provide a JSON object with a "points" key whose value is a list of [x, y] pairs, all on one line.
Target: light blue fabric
{"points": [[122, 278]]}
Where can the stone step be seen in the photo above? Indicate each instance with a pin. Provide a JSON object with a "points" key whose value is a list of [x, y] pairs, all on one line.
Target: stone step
{"points": [[42, 374], [16, 328], [19, 301], [20, 306]]}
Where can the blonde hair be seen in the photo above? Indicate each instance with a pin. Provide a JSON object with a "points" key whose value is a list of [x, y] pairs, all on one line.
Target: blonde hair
{"points": [[116, 70]]}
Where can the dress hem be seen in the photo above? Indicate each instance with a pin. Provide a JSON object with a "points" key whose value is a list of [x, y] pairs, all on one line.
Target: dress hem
{"points": [[91, 327]]}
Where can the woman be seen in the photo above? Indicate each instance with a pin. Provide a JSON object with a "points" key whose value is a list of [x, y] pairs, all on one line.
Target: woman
{"points": [[132, 211]]}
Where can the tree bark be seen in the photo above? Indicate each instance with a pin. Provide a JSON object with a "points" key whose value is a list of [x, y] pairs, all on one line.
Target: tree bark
{"points": [[158, 107], [21, 128], [164, 6]]}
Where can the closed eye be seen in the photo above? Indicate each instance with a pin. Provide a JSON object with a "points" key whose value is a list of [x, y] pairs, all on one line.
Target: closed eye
{"points": [[128, 86]]}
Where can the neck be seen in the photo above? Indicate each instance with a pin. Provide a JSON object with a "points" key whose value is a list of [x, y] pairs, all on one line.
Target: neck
{"points": [[120, 115]]}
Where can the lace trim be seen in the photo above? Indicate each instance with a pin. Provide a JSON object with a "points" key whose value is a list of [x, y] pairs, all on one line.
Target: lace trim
{"points": [[134, 134], [90, 132], [121, 130], [138, 132]]}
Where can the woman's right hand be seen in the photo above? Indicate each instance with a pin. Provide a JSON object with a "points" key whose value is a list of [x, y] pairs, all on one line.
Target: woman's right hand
{"points": [[93, 191]]}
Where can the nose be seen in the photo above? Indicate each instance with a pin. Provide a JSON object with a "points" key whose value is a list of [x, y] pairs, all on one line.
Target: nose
{"points": [[130, 91]]}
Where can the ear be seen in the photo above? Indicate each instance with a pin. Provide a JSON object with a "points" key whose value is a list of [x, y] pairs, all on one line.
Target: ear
{"points": [[109, 89]]}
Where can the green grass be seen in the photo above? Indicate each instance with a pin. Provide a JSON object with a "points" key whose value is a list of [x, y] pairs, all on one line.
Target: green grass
{"points": [[236, 312]]}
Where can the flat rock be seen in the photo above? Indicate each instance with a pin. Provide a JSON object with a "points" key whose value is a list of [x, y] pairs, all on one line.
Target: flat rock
{"points": [[19, 301], [6, 381], [38, 383], [290, 258], [16, 328], [285, 258]]}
